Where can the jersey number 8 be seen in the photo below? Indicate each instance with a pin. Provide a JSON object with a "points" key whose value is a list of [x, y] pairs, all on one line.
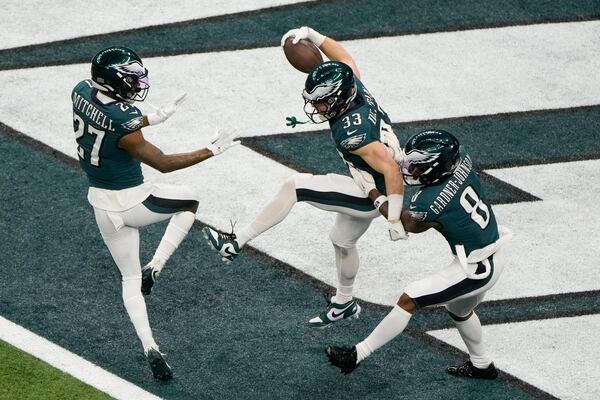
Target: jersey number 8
{"points": [[470, 201]]}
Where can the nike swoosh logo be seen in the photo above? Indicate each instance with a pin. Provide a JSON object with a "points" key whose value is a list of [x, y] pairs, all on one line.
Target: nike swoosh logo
{"points": [[412, 207], [351, 132], [227, 250], [334, 315]]}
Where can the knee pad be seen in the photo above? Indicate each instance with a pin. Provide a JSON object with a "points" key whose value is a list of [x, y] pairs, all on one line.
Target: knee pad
{"points": [[342, 250], [459, 318], [347, 230], [131, 286], [339, 238], [458, 314]]}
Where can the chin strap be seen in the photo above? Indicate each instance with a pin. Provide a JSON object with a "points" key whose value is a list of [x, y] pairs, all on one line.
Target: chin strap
{"points": [[293, 121]]}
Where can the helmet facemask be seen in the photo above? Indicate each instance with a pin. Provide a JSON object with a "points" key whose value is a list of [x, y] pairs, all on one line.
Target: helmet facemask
{"points": [[417, 165], [120, 72], [335, 104], [135, 81], [329, 87], [430, 156]]}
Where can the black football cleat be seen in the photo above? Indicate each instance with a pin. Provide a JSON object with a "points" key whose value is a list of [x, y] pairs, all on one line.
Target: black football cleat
{"points": [[345, 358], [160, 369], [149, 276], [468, 370]]}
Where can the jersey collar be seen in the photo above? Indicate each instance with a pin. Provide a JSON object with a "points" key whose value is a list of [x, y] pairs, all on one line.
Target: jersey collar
{"points": [[104, 99]]}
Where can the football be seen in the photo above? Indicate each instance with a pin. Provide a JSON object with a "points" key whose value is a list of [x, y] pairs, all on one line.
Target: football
{"points": [[303, 56]]}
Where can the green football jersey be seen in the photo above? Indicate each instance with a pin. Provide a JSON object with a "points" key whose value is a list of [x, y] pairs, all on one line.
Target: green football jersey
{"points": [[459, 205], [363, 123], [98, 129]]}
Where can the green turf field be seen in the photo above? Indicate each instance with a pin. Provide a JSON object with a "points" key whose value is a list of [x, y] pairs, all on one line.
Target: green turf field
{"points": [[26, 378]]}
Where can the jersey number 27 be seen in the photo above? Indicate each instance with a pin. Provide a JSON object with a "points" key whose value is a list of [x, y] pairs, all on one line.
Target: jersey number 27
{"points": [[97, 135]]}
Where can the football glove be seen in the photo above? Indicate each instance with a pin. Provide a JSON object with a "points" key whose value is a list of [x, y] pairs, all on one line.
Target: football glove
{"points": [[396, 230], [221, 141], [304, 33], [163, 113], [363, 179]]}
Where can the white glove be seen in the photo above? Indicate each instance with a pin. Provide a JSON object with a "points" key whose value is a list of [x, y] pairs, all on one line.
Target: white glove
{"points": [[304, 33], [164, 112], [396, 230], [363, 179], [221, 141]]}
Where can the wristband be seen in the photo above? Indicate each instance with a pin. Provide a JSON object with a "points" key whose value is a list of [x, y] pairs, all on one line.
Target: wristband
{"points": [[379, 201], [395, 206], [155, 118], [316, 37]]}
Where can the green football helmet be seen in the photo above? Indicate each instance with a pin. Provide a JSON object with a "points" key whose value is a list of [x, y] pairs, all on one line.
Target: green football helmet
{"points": [[119, 71], [331, 87], [429, 156]]}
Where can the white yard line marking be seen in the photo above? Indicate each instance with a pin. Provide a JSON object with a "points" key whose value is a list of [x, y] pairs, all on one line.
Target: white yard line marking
{"points": [[29, 22], [70, 363], [559, 356]]}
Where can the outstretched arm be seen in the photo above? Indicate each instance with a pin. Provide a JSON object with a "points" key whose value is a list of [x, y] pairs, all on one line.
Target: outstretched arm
{"points": [[144, 151]]}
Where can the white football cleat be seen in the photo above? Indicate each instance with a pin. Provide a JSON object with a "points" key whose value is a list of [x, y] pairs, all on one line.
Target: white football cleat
{"points": [[225, 244], [336, 312]]}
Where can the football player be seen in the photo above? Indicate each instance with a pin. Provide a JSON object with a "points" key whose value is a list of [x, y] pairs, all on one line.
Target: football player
{"points": [[364, 139], [111, 146], [451, 200]]}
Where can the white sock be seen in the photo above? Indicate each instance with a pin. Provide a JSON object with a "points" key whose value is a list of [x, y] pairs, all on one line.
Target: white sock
{"points": [[390, 327], [246, 234], [346, 262], [343, 294], [176, 231], [273, 213], [136, 308], [472, 334]]}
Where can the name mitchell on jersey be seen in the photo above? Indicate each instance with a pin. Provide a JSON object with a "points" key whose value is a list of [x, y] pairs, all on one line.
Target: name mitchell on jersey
{"points": [[97, 116]]}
